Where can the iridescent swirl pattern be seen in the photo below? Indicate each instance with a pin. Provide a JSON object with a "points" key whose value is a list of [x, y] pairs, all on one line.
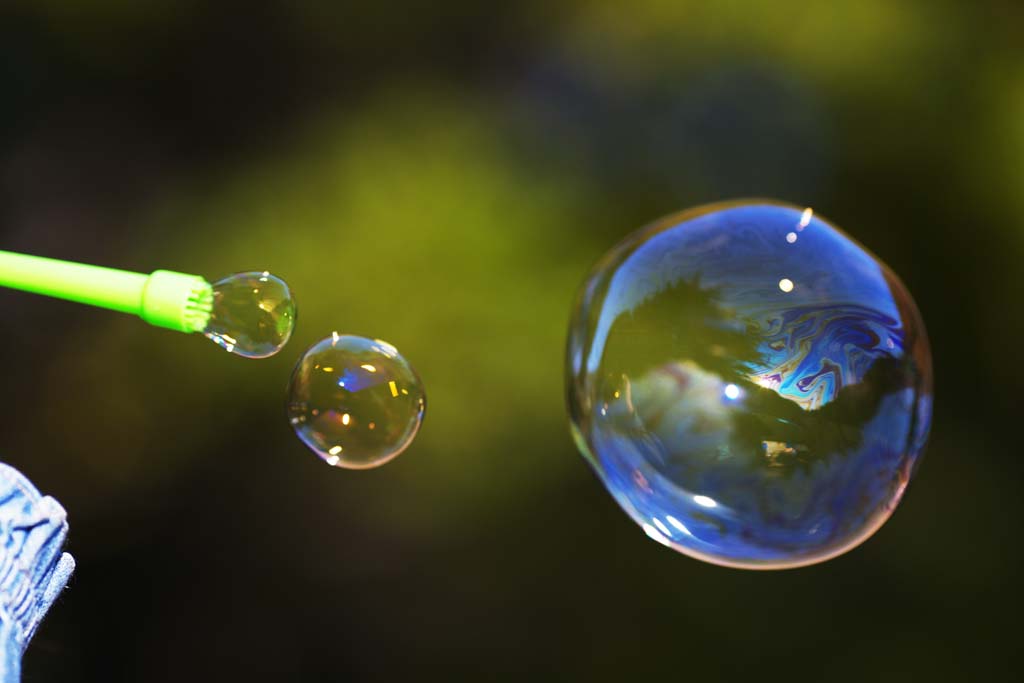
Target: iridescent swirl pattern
{"points": [[751, 385]]}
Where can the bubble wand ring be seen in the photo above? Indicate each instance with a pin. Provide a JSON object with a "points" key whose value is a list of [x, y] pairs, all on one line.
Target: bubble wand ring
{"points": [[164, 298]]}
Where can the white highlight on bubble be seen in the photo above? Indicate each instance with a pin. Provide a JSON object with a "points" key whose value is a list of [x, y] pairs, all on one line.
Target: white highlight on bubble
{"points": [[791, 237], [661, 526], [655, 534], [385, 348], [732, 391], [704, 501], [677, 524], [786, 285]]}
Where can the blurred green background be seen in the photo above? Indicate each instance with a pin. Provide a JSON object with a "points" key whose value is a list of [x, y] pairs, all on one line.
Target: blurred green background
{"points": [[442, 175]]}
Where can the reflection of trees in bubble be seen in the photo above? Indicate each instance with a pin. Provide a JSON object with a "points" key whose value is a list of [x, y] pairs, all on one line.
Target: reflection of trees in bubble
{"points": [[682, 321], [683, 387]]}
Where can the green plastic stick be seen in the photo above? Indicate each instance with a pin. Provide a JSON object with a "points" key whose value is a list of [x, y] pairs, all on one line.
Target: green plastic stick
{"points": [[177, 301]]}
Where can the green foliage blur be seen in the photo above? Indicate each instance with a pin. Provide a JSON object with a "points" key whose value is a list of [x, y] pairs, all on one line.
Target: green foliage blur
{"points": [[442, 176]]}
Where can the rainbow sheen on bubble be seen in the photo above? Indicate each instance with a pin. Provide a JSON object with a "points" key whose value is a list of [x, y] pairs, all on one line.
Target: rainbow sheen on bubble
{"points": [[752, 386]]}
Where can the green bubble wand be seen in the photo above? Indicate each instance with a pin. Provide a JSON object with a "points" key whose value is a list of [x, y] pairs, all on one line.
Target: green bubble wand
{"points": [[176, 301]]}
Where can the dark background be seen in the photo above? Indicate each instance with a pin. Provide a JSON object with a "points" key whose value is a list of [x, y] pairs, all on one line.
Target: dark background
{"points": [[442, 176]]}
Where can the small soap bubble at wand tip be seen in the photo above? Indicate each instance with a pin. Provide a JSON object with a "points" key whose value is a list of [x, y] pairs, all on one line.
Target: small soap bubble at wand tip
{"points": [[250, 314]]}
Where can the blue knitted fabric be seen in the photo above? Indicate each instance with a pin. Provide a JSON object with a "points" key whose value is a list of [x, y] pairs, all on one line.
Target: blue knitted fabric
{"points": [[33, 570]]}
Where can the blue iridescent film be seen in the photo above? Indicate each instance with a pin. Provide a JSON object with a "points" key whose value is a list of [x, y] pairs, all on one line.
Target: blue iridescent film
{"points": [[751, 385]]}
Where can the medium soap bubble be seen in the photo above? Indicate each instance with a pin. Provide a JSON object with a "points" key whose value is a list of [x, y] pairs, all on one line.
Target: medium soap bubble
{"points": [[355, 402]]}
